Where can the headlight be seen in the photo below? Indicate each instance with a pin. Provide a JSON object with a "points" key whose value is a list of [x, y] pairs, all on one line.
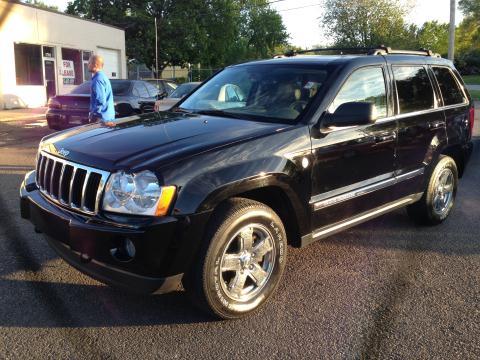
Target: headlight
{"points": [[138, 194]]}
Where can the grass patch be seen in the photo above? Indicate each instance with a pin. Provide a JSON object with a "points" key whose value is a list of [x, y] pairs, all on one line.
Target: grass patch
{"points": [[471, 79], [475, 94]]}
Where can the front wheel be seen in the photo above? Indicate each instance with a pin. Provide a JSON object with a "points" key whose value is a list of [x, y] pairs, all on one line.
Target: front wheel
{"points": [[439, 197], [241, 262]]}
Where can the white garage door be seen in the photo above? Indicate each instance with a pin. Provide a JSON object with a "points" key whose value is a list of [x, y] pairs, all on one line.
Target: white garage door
{"points": [[111, 60]]}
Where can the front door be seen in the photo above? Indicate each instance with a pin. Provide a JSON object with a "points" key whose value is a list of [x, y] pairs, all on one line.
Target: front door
{"points": [[353, 166], [50, 78]]}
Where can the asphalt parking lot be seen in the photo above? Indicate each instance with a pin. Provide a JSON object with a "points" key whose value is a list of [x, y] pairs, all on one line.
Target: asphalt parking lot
{"points": [[385, 289]]}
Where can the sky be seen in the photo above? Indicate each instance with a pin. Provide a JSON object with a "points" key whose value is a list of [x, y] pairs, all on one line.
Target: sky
{"points": [[301, 17]]}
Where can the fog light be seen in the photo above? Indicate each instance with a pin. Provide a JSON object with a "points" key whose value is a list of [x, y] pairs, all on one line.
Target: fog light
{"points": [[125, 251]]}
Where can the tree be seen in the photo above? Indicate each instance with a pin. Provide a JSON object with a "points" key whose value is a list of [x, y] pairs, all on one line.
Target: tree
{"points": [[211, 32], [41, 4], [365, 23], [470, 7], [434, 36]]}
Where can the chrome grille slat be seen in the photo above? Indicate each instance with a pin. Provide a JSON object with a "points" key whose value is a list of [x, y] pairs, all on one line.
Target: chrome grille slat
{"points": [[83, 195], [60, 182], [84, 189], [41, 172], [70, 193], [52, 175]]}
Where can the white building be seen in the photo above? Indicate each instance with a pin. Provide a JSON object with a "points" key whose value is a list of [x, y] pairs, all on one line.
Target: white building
{"points": [[44, 52]]}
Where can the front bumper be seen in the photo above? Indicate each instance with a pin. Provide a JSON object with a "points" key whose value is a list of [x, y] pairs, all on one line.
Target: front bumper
{"points": [[165, 247]]}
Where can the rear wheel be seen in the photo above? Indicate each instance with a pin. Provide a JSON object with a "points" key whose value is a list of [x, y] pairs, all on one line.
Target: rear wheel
{"points": [[439, 197], [241, 262]]}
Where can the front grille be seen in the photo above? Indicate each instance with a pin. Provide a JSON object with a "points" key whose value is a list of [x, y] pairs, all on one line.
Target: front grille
{"points": [[71, 185]]}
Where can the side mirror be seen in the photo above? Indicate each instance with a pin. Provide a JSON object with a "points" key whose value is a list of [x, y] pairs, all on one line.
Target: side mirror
{"points": [[162, 95], [350, 114]]}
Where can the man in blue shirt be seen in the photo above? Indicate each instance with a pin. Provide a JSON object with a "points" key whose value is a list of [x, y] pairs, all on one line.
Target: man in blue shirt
{"points": [[101, 96]]}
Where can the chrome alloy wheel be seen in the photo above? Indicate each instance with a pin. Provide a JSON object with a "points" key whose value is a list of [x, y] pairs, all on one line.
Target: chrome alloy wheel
{"points": [[247, 262], [443, 193]]}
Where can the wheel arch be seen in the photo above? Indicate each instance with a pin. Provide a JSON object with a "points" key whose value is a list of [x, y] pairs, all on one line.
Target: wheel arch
{"points": [[271, 191]]}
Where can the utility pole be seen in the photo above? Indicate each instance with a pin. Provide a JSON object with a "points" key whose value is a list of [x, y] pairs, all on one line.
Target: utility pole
{"points": [[451, 37], [156, 51]]}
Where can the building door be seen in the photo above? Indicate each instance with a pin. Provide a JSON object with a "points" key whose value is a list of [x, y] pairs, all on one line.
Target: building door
{"points": [[49, 73], [49, 67], [111, 59]]}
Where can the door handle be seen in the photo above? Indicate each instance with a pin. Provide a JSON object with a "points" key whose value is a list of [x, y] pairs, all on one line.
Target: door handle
{"points": [[436, 124], [385, 137]]}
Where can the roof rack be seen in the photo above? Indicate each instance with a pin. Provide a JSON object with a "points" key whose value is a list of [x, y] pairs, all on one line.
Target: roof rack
{"points": [[379, 50]]}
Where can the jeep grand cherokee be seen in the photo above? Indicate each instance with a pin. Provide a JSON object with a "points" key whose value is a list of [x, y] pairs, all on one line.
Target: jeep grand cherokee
{"points": [[210, 193]]}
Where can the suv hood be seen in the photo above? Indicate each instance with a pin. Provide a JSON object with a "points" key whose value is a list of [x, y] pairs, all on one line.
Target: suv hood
{"points": [[151, 140]]}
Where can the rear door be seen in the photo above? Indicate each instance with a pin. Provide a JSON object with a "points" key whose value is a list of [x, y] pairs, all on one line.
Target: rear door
{"points": [[421, 127], [455, 104], [353, 166]]}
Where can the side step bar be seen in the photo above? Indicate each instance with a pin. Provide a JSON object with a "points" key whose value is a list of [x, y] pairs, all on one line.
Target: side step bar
{"points": [[328, 230]]}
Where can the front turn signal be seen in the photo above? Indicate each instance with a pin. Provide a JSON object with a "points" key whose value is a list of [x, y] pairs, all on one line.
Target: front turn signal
{"points": [[166, 198]]}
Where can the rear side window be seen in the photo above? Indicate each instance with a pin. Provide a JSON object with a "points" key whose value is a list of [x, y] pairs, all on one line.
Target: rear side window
{"points": [[415, 91], [451, 92], [364, 85]]}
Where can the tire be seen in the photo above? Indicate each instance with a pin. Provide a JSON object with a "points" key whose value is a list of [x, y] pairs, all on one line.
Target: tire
{"points": [[439, 197], [231, 279]]}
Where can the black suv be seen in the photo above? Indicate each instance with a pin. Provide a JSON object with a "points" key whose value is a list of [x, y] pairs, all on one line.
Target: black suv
{"points": [[210, 193]]}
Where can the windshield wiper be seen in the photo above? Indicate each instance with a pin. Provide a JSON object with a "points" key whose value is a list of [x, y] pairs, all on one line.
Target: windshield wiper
{"points": [[180, 109], [216, 112]]}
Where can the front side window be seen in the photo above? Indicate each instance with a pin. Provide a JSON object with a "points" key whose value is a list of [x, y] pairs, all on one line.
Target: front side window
{"points": [[266, 92], [28, 64], [364, 85], [414, 89], [451, 92]]}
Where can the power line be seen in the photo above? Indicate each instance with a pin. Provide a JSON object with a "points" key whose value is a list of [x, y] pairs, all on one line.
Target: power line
{"points": [[275, 1], [300, 7]]}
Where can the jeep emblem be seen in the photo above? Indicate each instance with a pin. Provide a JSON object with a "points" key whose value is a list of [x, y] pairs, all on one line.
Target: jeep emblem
{"points": [[63, 152]]}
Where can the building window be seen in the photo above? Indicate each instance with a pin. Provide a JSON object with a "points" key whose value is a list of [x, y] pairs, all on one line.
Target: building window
{"points": [[86, 73], [28, 64], [69, 56], [48, 52]]}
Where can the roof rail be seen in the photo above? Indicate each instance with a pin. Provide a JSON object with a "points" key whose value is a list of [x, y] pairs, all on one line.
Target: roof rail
{"points": [[379, 50]]}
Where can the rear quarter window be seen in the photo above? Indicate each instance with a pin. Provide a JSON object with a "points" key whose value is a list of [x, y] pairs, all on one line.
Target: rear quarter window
{"points": [[451, 92], [414, 89]]}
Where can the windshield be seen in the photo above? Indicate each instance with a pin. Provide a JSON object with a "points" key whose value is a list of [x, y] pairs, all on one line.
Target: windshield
{"points": [[118, 88], [183, 90], [260, 91]]}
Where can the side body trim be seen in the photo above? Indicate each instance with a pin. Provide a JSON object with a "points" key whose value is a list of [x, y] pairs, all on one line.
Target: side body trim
{"points": [[361, 188]]}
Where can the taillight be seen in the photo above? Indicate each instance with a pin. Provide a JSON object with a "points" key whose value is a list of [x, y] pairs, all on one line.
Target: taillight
{"points": [[471, 119], [54, 104]]}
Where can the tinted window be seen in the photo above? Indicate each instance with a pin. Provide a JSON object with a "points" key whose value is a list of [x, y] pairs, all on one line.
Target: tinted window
{"points": [[142, 90], [118, 88], [364, 85], [152, 90], [414, 89], [265, 92], [451, 92], [183, 90]]}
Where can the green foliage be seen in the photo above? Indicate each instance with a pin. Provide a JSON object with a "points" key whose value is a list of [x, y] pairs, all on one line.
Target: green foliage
{"points": [[211, 32], [472, 79], [365, 23], [470, 7], [41, 4], [434, 36]]}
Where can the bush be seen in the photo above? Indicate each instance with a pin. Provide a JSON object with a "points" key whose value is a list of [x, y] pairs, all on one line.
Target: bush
{"points": [[468, 63]]}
